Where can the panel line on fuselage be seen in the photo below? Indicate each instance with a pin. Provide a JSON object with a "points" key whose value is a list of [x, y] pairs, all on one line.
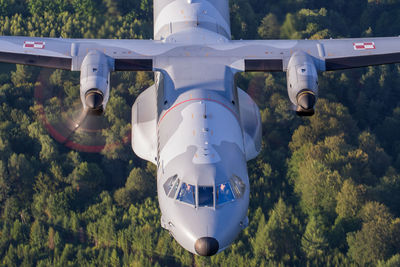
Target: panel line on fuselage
{"points": [[198, 99]]}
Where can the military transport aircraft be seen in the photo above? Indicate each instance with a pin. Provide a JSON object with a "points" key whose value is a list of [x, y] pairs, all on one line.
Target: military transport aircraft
{"points": [[193, 123]]}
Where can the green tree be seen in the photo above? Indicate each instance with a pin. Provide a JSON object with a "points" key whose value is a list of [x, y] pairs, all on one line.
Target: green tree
{"points": [[349, 199], [87, 177], [17, 231], [5, 186], [139, 184], [21, 174], [23, 74], [269, 28], [378, 160], [332, 119], [279, 238], [114, 260], [313, 242], [67, 254], [375, 240], [387, 191], [11, 209], [318, 187], [11, 258], [37, 235], [288, 29], [392, 262], [242, 17]]}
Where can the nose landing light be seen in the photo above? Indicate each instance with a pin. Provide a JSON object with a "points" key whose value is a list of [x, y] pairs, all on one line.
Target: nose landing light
{"points": [[206, 246]]}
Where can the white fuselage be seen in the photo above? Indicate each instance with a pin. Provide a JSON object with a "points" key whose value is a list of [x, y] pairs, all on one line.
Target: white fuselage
{"points": [[199, 145]]}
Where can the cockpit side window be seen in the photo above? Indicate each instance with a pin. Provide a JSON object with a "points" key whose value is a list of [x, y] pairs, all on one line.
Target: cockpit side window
{"points": [[174, 189], [187, 194], [238, 186], [169, 184], [206, 196], [224, 193]]}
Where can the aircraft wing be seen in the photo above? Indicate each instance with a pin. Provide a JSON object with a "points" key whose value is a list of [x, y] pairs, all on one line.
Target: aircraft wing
{"points": [[134, 55], [330, 54], [257, 55], [354, 53]]}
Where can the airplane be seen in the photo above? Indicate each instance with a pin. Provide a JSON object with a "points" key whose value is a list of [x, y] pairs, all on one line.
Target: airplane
{"points": [[194, 123]]}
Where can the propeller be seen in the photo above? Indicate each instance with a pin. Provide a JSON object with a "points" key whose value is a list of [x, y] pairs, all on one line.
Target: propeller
{"points": [[67, 120]]}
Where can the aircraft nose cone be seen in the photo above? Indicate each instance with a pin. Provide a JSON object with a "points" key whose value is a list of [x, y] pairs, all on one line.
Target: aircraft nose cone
{"points": [[94, 99], [206, 246], [306, 100]]}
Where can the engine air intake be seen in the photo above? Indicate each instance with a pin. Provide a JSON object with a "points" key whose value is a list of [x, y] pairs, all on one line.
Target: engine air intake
{"points": [[94, 99]]}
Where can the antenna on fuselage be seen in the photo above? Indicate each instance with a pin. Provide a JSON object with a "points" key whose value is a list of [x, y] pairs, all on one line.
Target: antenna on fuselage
{"points": [[205, 111]]}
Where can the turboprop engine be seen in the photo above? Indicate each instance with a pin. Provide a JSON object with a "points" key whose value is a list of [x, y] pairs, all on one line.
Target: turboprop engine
{"points": [[95, 81], [302, 83]]}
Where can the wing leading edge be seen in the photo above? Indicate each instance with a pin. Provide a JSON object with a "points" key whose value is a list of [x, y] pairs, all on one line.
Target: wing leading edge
{"points": [[329, 55], [68, 54]]}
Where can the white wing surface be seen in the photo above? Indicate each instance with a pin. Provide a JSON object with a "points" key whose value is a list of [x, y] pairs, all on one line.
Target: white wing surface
{"points": [[331, 54], [68, 54]]}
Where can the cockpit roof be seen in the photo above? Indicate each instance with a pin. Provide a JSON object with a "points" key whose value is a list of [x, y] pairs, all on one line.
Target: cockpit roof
{"points": [[205, 174]]}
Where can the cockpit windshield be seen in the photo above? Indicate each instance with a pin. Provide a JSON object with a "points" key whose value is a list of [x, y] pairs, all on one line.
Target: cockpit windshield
{"points": [[224, 193], [206, 196], [187, 194]]}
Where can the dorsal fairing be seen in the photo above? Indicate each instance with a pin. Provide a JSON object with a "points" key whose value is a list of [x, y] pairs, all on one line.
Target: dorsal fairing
{"points": [[173, 16]]}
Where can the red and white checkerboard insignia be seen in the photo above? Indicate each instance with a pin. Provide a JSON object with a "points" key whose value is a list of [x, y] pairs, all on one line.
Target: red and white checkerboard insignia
{"points": [[364, 46], [35, 45]]}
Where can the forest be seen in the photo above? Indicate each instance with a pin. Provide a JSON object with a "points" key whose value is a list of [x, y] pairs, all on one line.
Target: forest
{"points": [[325, 190]]}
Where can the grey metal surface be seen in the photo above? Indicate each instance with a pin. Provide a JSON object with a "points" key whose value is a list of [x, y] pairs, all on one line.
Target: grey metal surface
{"points": [[301, 75], [95, 75]]}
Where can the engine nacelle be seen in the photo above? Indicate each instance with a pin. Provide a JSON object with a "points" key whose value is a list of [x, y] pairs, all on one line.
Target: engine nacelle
{"points": [[302, 83], [95, 81]]}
